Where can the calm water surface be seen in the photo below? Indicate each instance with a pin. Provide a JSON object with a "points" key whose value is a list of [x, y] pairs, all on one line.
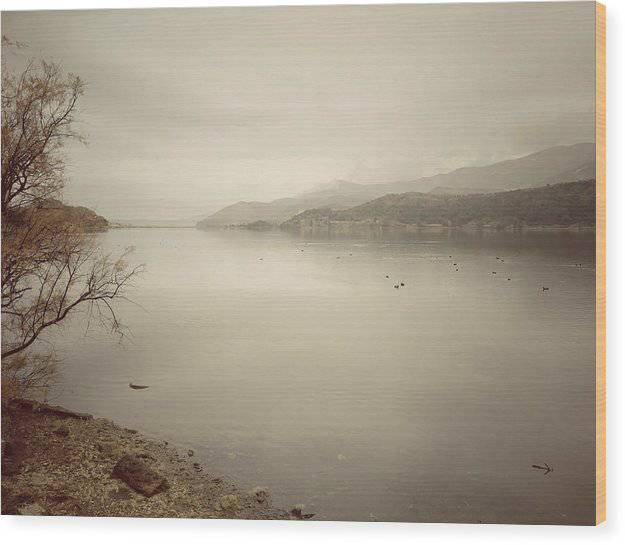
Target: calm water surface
{"points": [[295, 364]]}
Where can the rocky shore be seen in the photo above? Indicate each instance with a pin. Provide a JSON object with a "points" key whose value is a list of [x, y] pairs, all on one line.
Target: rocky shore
{"points": [[59, 462]]}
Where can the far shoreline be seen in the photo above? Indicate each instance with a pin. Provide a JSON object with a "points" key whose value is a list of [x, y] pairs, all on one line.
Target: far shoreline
{"points": [[353, 228]]}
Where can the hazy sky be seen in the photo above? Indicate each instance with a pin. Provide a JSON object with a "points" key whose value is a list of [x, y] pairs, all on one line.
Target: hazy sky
{"points": [[188, 110]]}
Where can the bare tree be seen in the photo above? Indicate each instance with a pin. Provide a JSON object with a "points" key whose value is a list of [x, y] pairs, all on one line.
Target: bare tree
{"points": [[38, 108], [49, 268], [51, 265]]}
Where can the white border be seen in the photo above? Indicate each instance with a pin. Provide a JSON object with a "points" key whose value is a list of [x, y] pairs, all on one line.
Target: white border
{"points": [[66, 531]]}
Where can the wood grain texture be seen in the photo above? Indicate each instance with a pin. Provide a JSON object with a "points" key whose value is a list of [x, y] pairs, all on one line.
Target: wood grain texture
{"points": [[600, 354]]}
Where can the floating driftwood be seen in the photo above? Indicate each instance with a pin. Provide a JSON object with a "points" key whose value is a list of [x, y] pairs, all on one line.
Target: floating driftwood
{"points": [[546, 468], [137, 386]]}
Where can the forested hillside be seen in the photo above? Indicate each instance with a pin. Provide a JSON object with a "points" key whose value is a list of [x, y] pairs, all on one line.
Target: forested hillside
{"points": [[561, 205]]}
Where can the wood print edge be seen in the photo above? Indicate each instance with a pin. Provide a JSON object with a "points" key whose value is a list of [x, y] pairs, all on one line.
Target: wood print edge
{"points": [[600, 287]]}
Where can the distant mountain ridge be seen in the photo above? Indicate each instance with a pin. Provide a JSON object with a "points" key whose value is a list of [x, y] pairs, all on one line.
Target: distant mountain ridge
{"points": [[340, 194], [553, 165], [532, 170], [560, 205]]}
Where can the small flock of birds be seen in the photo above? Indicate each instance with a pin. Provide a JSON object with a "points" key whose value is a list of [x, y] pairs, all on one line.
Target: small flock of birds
{"points": [[396, 286], [501, 260], [456, 267]]}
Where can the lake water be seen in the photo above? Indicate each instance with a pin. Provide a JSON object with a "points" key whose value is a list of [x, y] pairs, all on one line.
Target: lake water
{"points": [[294, 363]]}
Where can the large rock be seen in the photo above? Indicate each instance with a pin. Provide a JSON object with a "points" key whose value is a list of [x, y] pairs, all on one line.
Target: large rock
{"points": [[139, 476]]}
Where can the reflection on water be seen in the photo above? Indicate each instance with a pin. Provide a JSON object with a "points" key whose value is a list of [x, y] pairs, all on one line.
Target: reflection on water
{"points": [[295, 364]]}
